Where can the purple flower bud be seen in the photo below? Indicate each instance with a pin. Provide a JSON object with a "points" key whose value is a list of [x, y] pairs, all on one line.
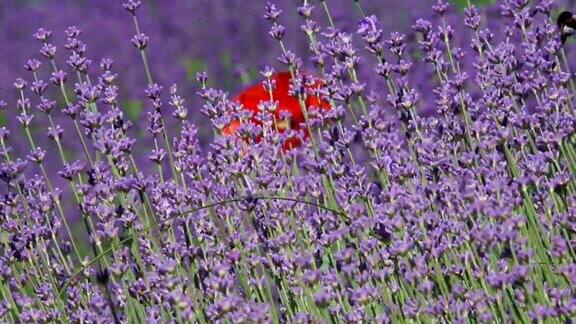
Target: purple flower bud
{"points": [[55, 133], [140, 41], [76, 45], [396, 43], [440, 7], [288, 58], [108, 79], [154, 118], [277, 32], [472, 17], [310, 27], [46, 105], [305, 10], [323, 298], [541, 312], [79, 63], [545, 6], [110, 92], [268, 72], [38, 87], [426, 286], [87, 93], [367, 28], [422, 26], [37, 155], [42, 34], [271, 12], [48, 51], [4, 133], [73, 32], [384, 69], [20, 84], [157, 156], [58, 77], [23, 104], [12, 170], [72, 110], [106, 64], [131, 6], [32, 65], [363, 295], [153, 91], [202, 77]]}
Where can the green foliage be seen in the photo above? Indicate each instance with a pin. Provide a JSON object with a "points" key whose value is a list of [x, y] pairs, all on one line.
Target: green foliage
{"points": [[461, 4], [192, 67], [133, 108]]}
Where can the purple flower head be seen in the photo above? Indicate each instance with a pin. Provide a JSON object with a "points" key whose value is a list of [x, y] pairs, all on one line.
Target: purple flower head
{"points": [[202, 77], [20, 84], [153, 91], [277, 32], [39, 87], [441, 7], [4, 133], [46, 105], [37, 155], [473, 18], [73, 32], [32, 65], [106, 64], [42, 35], [140, 41], [131, 6], [271, 12], [58, 78], [305, 10], [48, 51], [430, 181], [368, 29]]}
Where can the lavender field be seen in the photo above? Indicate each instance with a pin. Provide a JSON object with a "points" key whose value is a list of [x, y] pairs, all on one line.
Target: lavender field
{"points": [[306, 161]]}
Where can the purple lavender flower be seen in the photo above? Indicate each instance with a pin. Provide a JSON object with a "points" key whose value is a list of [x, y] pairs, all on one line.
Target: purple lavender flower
{"points": [[438, 187]]}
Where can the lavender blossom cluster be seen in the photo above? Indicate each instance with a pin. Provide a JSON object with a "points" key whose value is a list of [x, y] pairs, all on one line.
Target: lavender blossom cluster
{"points": [[222, 36], [456, 203]]}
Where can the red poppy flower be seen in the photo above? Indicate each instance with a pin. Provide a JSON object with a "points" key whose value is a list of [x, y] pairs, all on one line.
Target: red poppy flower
{"points": [[251, 98]]}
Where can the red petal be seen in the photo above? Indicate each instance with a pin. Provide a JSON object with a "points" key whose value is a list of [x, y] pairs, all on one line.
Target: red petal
{"points": [[251, 97]]}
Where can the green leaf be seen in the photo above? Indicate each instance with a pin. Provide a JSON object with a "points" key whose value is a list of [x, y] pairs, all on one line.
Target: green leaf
{"points": [[133, 109], [226, 59], [461, 4], [192, 67]]}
